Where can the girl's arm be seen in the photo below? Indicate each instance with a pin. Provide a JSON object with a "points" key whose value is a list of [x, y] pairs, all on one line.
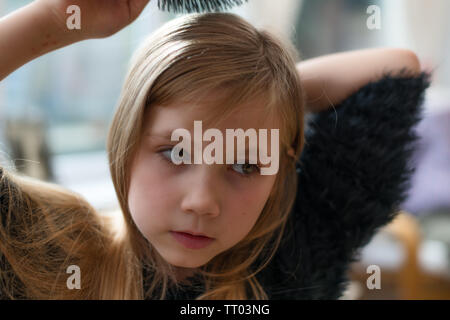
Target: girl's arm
{"points": [[353, 175], [329, 79], [40, 27]]}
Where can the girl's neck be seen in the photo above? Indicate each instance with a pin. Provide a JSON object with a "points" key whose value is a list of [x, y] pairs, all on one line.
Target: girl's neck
{"points": [[182, 274]]}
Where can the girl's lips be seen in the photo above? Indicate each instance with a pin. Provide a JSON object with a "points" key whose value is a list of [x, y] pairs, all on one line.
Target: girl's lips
{"points": [[190, 241], [192, 233]]}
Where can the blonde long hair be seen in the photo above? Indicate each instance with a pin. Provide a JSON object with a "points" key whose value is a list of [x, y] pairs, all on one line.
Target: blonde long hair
{"points": [[184, 60]]}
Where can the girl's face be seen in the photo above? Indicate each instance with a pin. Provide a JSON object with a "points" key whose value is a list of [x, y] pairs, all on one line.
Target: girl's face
{"points": [[222, 201]]}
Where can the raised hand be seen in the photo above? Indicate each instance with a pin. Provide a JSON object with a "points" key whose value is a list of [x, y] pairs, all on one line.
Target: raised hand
{"points": [[99, 18], [41, 27]]}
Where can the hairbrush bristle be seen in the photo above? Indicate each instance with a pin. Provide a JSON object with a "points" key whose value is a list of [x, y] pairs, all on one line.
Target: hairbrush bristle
{"points": [[190, 6]]}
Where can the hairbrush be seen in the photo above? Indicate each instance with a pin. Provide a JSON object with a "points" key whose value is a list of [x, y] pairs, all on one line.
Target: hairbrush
{"points": [[190, 6]]}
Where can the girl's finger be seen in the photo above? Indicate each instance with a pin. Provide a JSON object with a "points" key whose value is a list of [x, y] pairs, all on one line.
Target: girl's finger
{"points": [[136, 7]]}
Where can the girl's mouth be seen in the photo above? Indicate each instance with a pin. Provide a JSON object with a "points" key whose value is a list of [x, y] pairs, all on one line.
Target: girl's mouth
{"points": [[190, 241]]}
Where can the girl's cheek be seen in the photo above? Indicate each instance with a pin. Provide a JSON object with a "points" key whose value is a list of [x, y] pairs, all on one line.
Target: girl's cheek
{"points": [[244, 202], [149, 180], [257, 194], [153, 166]]}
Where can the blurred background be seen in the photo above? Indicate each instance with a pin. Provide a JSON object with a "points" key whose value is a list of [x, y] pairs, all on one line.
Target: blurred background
{"points": [[55, 112]]}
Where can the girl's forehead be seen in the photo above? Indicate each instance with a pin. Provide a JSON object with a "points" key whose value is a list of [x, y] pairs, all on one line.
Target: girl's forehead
{"points": [[180, 114]]}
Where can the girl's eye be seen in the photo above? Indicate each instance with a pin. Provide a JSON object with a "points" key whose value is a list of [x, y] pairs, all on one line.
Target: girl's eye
{"points": [[245, 170], [168, 155]]}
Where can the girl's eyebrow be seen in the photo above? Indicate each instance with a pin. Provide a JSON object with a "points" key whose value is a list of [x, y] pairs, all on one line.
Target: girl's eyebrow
{"points": [[164, 135], [168, 135]]}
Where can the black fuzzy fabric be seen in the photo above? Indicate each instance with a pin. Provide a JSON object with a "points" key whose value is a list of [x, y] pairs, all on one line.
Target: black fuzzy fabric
{"points": [[353, 175]]}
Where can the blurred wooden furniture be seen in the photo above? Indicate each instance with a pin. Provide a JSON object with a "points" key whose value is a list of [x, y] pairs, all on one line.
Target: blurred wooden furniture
{"points": [[406, 229], [407, 281]]}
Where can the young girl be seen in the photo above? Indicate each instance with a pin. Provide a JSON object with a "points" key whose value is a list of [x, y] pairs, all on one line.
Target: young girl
{"points": [[291, 235]]}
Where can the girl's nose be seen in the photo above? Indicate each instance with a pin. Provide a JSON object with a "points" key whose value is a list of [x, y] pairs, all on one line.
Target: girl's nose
{"points": [[202, 191]]}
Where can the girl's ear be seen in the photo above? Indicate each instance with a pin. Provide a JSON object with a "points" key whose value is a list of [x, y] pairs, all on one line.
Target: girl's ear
{"points": [[291, 152]]}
